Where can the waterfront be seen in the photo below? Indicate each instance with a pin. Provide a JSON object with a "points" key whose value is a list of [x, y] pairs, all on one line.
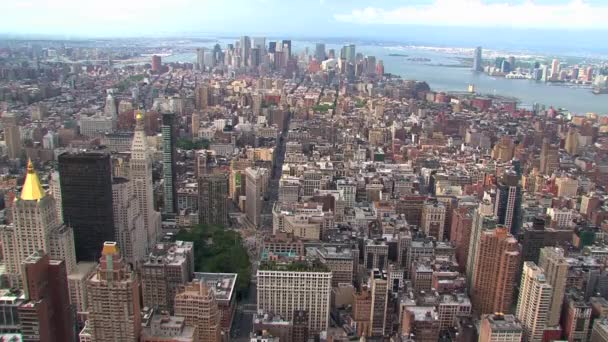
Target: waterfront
{"points": [[443, 73]]}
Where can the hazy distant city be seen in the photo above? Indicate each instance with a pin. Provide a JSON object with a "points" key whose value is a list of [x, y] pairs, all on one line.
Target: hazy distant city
{"points": [[272, 171]]}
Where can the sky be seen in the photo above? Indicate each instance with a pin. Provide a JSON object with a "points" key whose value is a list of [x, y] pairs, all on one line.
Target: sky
{"points": [[391, 19]]}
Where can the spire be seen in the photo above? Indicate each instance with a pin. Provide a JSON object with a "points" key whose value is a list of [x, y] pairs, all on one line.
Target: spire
{"points": [[32, 190], [139, 120]]}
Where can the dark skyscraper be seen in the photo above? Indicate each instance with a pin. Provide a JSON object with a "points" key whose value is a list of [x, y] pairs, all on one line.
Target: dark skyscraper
{"points": [[477, 60], [245, 49], [86, 194], [272, 47], [508, 202], [320, 52], [169, 177], [213, 199]]}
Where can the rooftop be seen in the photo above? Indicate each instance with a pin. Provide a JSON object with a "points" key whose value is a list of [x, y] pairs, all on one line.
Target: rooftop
{"points": [[222, 284]]}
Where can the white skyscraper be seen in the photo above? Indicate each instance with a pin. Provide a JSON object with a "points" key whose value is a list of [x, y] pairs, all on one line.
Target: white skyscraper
{"points": [[141, 176], [534, 302]]}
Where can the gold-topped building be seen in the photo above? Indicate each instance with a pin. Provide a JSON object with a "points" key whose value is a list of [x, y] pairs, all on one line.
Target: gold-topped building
{"points": [[35, 227]]}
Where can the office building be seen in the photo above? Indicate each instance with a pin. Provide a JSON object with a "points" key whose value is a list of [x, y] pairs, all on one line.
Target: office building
{"points": [[200, 59], [320, 52], [167, 267], [379, 297], [375, 255], [576, 317], [555, 266], [46, 315], [477, 60], [255, 186], [549, 158], [213, 199], [157, 64], [495, 271], [286, 48], [196, 303], [77, 284], [534, 302], [283, 291], [131, 234], [140, 175], [169, 176], [86, 193], [113, 298], [500, 328], [12, 135], [245, 46], [483, 218], [507, 207], [422, 322], [433, 220]]}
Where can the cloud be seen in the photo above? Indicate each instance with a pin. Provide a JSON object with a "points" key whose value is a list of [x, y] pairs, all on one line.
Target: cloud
{"points": [[577, 14]]}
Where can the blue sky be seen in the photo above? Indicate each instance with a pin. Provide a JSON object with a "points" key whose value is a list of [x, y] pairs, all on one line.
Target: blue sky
{"points": [[312, 18]]}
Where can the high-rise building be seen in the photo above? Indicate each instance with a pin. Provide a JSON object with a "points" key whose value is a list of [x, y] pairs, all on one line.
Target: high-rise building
{"points": [[12, 135], [245, 45], [111, 110], [272, 47], [576, 317], [555, 266], [197, 304], [141, 176], [433, 220], [255, 185], [167, 267], [128, 221], [283, 291], [86, 193], [379, 296], [320, 52], [508, 201], [169, 176], [549, 158], [200, 59], [534, 302], [113, 298], [259, 43], [495, 271], [47, 315], [477, 60], [555, 69], [157, 63], [483, 218], [500, 328], [213, 199], [35, 228], [286, 47]]}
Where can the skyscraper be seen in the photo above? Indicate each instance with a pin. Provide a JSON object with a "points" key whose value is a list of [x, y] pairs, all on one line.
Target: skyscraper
{"points": [[196, 302], [35, 228], [508, 201], [495, 271], [320, 52], [128, 221], [245, 44], [283, 291], [46, 316], [141, 177], [86, 192], [549, 158], [534, 302], [111, 110], [477, 60], [213, 199], [113, 291], [379, 291], [157, 63], [167, 267], [555, 266], [483, 219], [169, 176], [200, 59], [254, 189], [286, 47], [260, 43], [555, 69], [12, 135]]}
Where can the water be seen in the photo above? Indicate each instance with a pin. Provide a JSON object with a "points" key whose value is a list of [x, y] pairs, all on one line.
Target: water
{"points": [[442, 74]]}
